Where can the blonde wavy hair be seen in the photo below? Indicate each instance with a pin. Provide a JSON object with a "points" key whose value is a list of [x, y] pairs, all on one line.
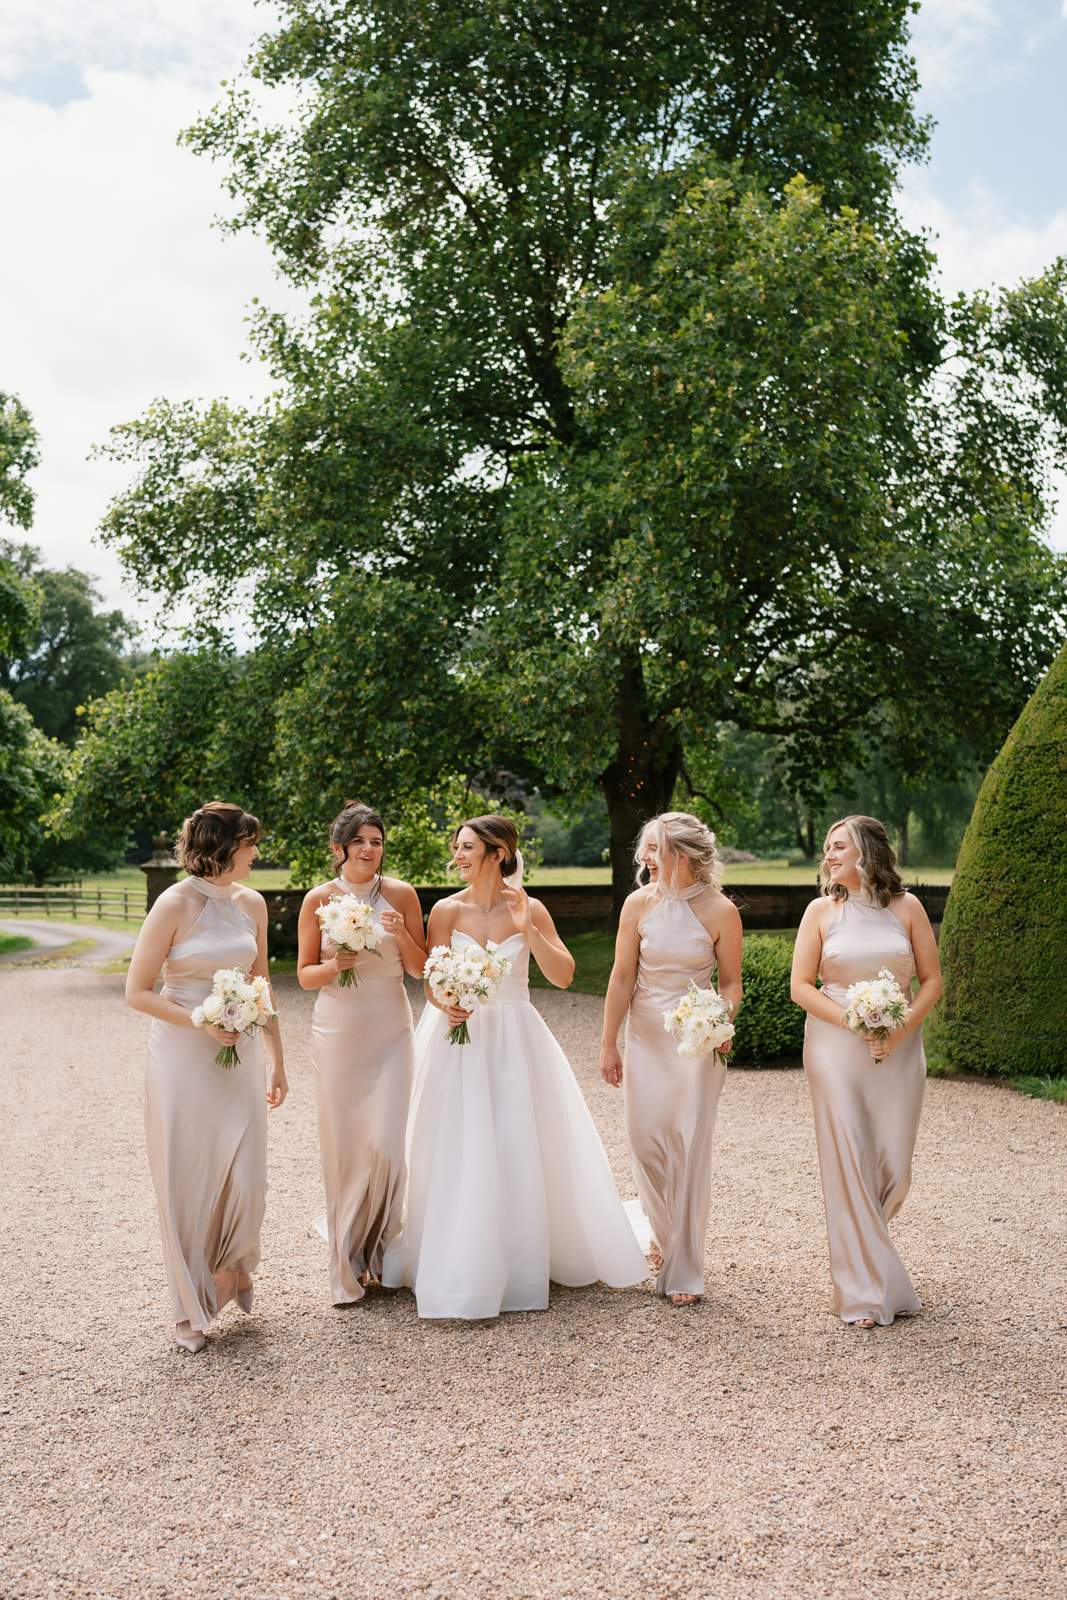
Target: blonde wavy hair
{"points": [[678, 833], [879, 875]]}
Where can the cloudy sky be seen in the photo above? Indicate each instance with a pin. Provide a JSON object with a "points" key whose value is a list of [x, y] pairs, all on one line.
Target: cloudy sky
{"points": [[115, 288]]}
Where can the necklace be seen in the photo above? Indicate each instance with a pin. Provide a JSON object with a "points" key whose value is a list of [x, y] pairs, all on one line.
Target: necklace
{"points": [[492, 907]]}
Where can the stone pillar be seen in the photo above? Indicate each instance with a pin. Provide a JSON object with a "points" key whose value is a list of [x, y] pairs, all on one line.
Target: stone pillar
{"points": [[160, 871]]}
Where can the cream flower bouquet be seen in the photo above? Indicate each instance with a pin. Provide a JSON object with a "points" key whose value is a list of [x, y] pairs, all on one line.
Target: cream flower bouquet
{"points": [[236, 1004], [467, 978], [348, 922], [700, 1023], [877, 1006]]}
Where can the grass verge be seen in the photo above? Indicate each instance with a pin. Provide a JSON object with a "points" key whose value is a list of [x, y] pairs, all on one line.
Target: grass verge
{"points": [[10, 942]]}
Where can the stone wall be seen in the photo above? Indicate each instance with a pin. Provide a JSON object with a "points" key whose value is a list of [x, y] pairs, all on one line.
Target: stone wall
{"points": [[587, 908]]}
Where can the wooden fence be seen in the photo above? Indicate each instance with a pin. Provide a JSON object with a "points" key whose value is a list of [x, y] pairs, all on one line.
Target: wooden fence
{"points": [[92, 904], [581, 908]]}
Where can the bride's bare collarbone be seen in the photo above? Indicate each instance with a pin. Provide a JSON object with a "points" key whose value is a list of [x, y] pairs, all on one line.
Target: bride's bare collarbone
{"points": [[466, 916]]}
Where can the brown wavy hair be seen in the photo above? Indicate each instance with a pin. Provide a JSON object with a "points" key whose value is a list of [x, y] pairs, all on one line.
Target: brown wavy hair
{"points": [[879, 875], [496, 833], [347, 823], [207, 841]]}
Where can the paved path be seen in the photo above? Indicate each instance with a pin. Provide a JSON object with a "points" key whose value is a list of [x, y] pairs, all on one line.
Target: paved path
{"points": [[50, 936], [609, 1447]]}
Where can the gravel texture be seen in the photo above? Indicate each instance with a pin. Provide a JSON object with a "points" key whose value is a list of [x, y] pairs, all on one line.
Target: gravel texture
{"points": [[611, 1446], [96, 946]]}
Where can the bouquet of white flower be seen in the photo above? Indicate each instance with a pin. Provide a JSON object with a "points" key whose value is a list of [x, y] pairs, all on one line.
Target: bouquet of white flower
{"points": [[877, 1006], [701, 1023], [236, 1004], [469, 978], [348, 922]]}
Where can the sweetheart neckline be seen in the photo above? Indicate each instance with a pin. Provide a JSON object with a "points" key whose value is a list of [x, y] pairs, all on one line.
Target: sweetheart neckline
{"points": [[481, 947]]}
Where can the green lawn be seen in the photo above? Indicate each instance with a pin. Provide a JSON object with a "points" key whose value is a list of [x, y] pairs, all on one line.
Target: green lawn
{"points": [[14, 941], [770, 871]]}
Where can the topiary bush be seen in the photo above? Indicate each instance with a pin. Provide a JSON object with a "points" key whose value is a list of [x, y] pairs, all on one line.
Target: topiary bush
{"points": [[769, 1025], [1004, 937]]}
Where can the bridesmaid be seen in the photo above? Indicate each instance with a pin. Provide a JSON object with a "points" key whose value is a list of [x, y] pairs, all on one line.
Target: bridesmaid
{"points": [[678, 927], [866, 1094], [206, 1125], [362, 1052]]}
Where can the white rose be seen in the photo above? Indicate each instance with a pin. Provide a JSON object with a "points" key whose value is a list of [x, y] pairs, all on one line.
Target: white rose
{"points": [[211, 1009]]}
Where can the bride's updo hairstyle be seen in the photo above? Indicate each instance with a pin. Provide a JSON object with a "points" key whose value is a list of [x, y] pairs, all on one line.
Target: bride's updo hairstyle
{"points": [[678, 833], [879, 877], [346, 825], [496, 833], [207, 841]]}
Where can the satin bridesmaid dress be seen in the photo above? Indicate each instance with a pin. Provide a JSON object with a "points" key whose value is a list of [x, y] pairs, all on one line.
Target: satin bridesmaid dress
{"points": [[866, 1119], [363, 1056], [509, 1186], [206, 1126], [671, 1104]]}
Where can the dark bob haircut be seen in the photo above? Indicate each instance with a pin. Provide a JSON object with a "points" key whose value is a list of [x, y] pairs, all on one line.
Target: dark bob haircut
{"points": [[208, 840]]}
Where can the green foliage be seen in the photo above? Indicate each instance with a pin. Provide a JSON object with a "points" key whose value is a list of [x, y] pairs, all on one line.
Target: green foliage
{"points": [[769, 1025], [74, 652], [153, 752], [18, 457], [32, 771], [1004, 937], [579, 455]]}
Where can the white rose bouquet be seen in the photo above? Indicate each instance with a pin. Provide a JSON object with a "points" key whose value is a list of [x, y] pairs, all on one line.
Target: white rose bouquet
{"points": [[348, 922], [701, 1023], [468, 978], [877, 1006], [236, 1004]]}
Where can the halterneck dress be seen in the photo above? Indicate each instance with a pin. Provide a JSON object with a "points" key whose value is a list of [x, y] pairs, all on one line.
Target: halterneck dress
{"points": [[508, 1183], [866, 1118], [206, 1126], [363, 1057], [671, 1104]]}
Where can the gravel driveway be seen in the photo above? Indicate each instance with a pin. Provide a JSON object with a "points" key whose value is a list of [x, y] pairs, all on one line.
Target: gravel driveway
{"points": [[611, 1446]]}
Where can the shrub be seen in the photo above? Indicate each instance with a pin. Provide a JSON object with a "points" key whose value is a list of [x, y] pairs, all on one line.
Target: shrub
{"points": [[1004, 937], [769, 1025]]}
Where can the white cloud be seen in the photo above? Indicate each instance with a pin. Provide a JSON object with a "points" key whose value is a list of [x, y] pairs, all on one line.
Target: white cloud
{"points": [[948, 37], [979, 243], [114, 286], [38, 44]]}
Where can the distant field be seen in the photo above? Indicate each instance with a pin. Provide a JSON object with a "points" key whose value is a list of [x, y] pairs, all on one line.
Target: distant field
{"points": [[769, 872]]}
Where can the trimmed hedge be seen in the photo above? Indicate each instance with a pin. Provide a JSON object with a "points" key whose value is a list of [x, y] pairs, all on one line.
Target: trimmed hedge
{"points": [[769, 1025], [1004, 937]]}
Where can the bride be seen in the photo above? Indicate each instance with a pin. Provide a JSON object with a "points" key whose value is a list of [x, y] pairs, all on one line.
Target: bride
{"points": [[508, 1183]]}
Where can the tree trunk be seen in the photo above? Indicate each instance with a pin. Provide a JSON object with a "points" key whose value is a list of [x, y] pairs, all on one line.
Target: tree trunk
{"points": [[639, 782], [902, 839], [806, 838]]}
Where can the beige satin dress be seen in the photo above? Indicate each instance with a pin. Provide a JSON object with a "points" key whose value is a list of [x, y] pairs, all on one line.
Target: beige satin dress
{"points": [[206, 1125], [363, 1056], [866, 1119], [670, 1103]]}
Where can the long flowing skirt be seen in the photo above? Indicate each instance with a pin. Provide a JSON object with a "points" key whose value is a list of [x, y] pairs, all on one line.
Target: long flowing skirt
{"points": [[508, 1183]]}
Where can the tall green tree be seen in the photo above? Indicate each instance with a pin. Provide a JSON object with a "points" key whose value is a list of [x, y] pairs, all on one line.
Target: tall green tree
{"points": [[574, 456], [443, 190], [75, 651]]}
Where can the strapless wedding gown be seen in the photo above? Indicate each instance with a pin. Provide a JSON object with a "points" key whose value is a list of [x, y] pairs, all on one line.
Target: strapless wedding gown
{"points": [[363, 1056], [508, 1183], [866, 1118], [671, 1104], [206, 1126]]}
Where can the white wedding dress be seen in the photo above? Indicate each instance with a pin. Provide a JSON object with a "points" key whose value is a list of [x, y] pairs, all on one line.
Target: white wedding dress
{"points": [[508, 1182]]}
